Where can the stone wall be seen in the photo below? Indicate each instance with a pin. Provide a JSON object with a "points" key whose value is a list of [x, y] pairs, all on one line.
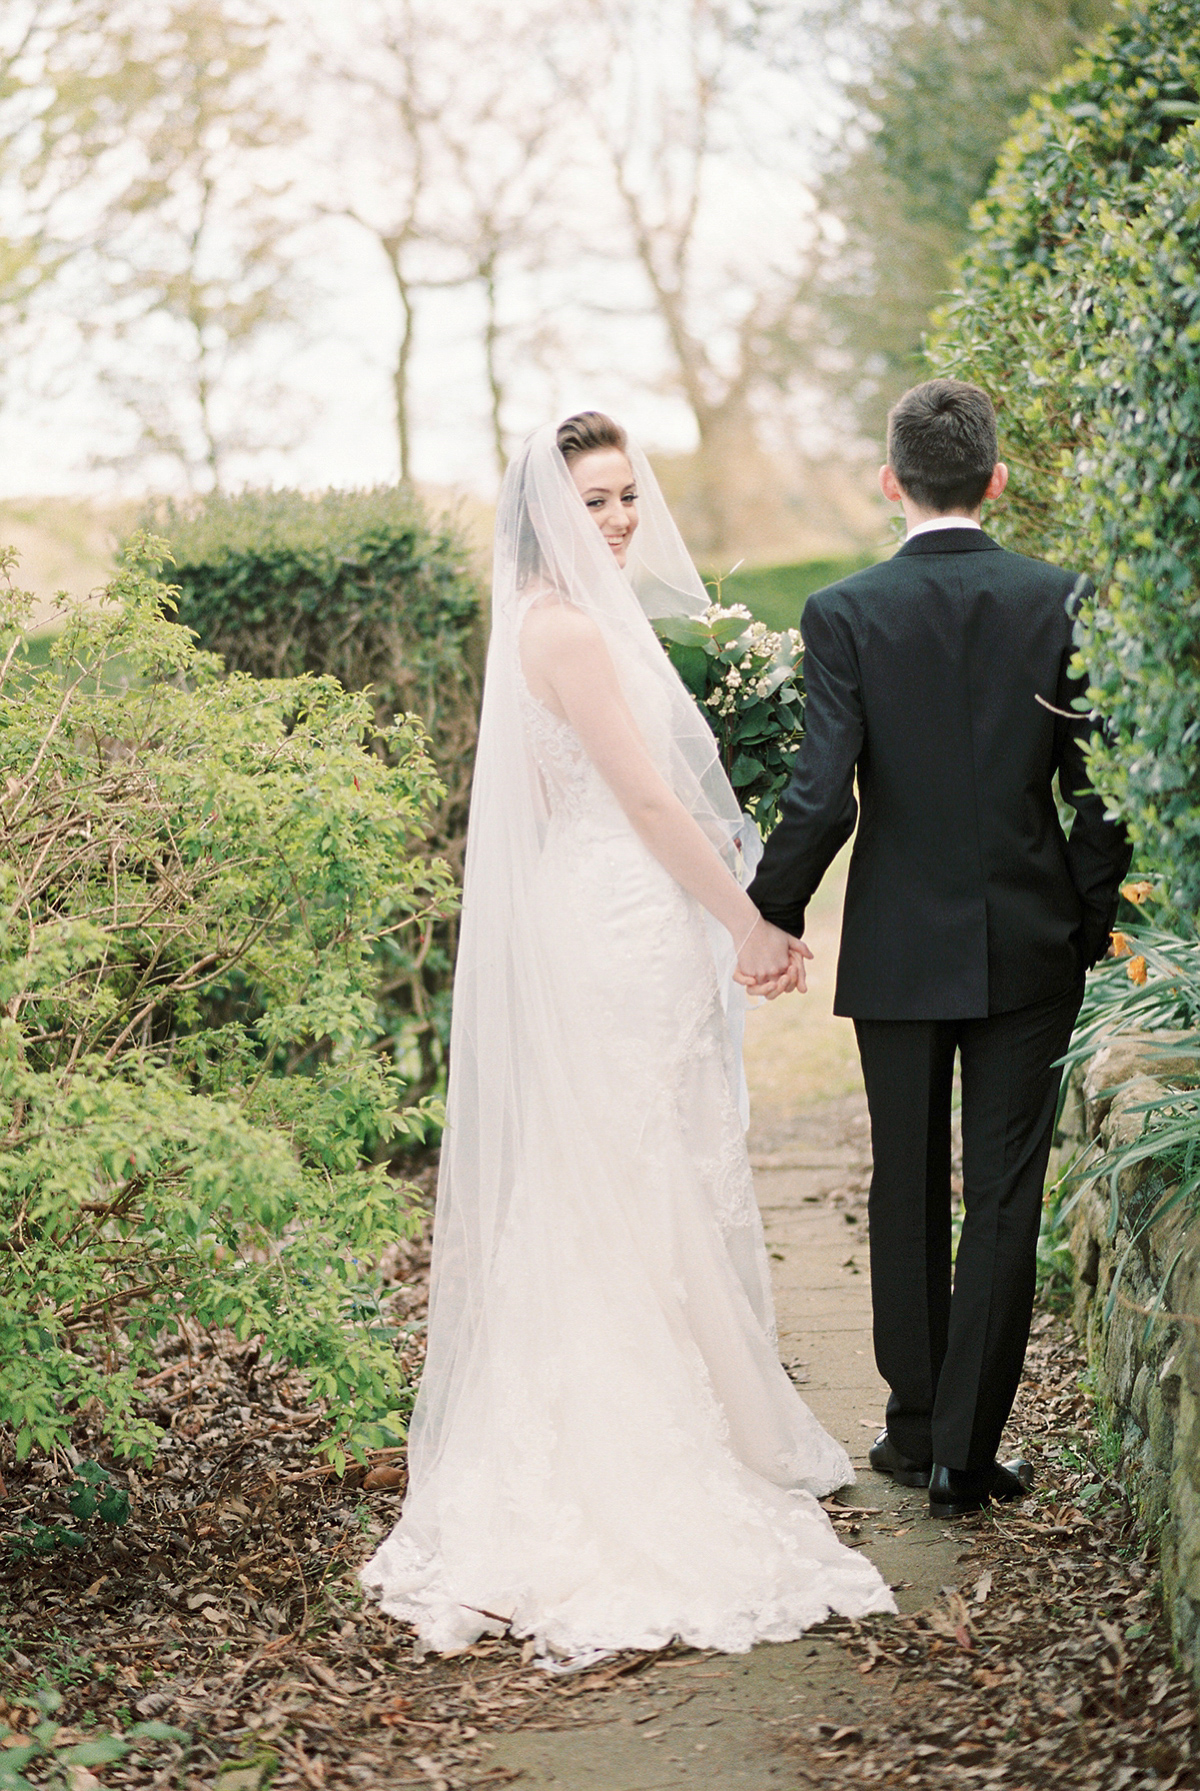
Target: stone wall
{"points": [[1145, 1351]]}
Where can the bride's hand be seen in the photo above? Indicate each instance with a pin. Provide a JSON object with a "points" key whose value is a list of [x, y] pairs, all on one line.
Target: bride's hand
{"points": [[765, 964]]}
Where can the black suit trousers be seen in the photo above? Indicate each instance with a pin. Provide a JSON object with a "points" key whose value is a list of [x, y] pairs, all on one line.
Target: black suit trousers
{"points": [[952, 1352]]}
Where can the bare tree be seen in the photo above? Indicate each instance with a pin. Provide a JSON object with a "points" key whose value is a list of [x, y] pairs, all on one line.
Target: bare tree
{"points": [[501, 144], [390, 86], [70, 90], [665, 119], [452, 167], [200, 248]]}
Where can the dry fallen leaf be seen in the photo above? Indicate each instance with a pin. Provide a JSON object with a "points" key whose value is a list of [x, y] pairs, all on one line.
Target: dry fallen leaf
{"points": [[383, 1477]]}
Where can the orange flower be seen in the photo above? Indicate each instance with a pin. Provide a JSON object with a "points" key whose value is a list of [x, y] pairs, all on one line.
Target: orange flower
{"points": [[1137, 893], [1120, 946], [1136, 971]]}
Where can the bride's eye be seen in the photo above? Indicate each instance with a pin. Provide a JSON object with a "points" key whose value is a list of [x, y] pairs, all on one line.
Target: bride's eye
{"points": [[629, 497]]}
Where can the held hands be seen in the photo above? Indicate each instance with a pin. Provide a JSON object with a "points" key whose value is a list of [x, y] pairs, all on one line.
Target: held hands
{"points": [[771, 962]]}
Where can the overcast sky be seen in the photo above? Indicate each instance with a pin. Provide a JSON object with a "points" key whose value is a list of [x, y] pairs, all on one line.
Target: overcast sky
{"points": [[334, 375]]}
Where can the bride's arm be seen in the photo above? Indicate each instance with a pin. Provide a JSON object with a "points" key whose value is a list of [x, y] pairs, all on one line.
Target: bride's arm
{"points": [[566, 660]]}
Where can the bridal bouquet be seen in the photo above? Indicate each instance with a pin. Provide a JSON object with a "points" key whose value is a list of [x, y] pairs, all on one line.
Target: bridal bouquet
{"points": [[748, 683]]}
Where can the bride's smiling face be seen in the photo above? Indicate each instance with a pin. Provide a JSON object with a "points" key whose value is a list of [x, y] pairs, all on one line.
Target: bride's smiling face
{"points": [[605, 482]]}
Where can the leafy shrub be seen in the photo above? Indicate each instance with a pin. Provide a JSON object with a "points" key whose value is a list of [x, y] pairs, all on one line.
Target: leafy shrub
{"points": [[195, 875], [1139, 509], [360, 586], [58, 1758], [748, 684], [91, 1495], [1080, 310], [1015, 323]]}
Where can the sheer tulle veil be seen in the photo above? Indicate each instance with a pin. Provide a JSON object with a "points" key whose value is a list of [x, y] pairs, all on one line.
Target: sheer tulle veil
{"points": [[505, 1068]]}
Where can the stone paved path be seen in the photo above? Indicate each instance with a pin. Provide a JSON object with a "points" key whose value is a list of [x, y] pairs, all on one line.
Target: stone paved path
{"points": [[718, 1721]]}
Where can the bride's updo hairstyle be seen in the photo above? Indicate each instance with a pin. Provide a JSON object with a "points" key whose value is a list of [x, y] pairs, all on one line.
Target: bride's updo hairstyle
{"points": [[587, 433], [584, 433]]}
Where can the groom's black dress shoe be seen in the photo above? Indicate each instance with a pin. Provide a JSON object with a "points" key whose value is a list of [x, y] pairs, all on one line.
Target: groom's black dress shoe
{"points": [[953, 1492], [885, 1458]]}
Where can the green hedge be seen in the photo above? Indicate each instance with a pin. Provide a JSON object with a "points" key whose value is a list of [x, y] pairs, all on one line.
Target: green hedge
{"points": [[1138, 498], [363, 586], [1019, 322], [1079, 310]]}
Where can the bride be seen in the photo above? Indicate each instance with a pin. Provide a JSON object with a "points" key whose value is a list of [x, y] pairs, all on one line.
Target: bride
{"points": [[605, 1452]]}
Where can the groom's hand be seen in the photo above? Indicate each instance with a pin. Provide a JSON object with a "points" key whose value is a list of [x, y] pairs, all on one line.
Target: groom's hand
{"points": [[797, 953]]}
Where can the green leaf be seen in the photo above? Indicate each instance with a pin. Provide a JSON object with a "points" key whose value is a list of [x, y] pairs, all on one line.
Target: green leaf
{"points": [[115, 1508], [745, 770], [692, 665], [727, 629], [94, 1753], [14, 1759], [685, 631]]}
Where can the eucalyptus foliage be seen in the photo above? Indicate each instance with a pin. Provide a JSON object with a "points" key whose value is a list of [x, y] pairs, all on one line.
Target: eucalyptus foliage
{"points": [[749, 685], [196, 873]]}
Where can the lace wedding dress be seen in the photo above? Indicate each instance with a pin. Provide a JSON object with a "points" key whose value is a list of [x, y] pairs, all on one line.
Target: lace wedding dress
{"points": [[607, 1453]]}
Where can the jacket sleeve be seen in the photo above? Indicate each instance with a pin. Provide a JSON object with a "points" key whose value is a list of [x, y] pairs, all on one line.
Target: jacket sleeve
{"points": [[818, 810], [1098, 850]]}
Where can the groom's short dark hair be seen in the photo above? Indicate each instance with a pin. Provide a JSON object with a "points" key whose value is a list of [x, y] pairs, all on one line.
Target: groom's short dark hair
{"points": [[942, 444]]}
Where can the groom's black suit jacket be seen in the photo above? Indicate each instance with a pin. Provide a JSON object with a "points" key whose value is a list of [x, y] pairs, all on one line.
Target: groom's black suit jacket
{"points": [[964, 896]]}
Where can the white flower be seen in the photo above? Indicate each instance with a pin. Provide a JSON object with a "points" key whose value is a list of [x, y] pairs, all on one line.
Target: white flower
{"points": [[732, 678], [713, 699], [762, 687]]}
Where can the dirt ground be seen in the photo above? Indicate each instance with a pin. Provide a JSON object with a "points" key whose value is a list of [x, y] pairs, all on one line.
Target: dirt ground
{"points": [[1030, 1650]]}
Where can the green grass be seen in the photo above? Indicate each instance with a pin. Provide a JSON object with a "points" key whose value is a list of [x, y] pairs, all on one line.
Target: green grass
{"points": [[776, 594], [119, 672]]}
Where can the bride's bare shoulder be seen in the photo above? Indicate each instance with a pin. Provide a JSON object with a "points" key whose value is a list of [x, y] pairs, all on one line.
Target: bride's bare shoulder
{"points": [[552, 627]]}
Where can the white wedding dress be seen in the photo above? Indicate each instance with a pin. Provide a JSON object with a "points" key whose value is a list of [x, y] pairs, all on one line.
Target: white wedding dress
{"points": [[608, 1453]]}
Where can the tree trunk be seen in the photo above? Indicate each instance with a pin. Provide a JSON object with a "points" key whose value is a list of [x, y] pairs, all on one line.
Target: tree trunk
{"points": [[393, 248], [491, 340]]}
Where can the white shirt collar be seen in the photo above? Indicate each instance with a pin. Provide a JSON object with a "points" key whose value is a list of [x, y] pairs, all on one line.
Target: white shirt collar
{"points": [[942, 522]]}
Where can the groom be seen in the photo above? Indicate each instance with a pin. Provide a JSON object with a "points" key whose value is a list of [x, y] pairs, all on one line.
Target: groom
{"points": [[940, 678]]}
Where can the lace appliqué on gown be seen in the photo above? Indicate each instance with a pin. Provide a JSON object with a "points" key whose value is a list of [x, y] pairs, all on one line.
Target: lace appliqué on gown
{"points": [[628, 1462]]}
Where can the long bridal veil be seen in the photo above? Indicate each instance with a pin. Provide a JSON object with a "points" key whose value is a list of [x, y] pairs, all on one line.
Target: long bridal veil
{"points": [[503, 1034], [605, 1452]]}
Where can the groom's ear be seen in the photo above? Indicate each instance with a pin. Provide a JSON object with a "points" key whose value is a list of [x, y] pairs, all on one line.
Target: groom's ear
{"points": [[998, 480], [890, 485]]}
